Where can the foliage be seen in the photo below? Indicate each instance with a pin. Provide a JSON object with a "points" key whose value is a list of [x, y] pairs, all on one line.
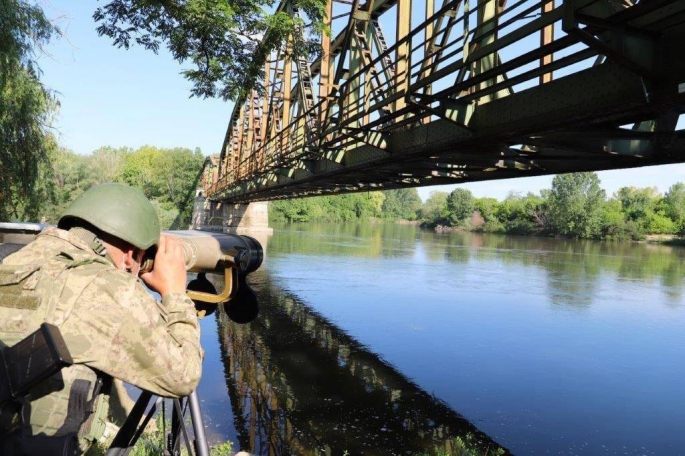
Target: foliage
{"points": [[434, 211], [674, 205], [401, 204], [460, 206], [26, 110], [638, 204], [523, 214], [487, 208], [153, 441], [340, 208], [658, 223], [575, 204], [168, 177], [614, 224], [573, 207], [227, 42]]}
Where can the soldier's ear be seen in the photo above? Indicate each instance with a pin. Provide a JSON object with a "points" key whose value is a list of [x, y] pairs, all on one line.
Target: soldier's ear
{"points": [[129, 258]]}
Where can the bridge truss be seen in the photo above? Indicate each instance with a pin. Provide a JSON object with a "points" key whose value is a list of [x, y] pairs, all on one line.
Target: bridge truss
{"points": [[430, 92]]}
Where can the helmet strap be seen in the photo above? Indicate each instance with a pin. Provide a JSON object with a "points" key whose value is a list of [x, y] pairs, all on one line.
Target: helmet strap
{"points": [[91, 240]]}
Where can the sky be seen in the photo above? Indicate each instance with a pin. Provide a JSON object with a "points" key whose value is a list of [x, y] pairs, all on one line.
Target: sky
{"points": [[130, 98]]}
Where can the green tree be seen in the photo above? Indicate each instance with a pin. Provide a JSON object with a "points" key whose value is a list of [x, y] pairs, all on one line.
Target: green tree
{"points": [[674, 205], [71, 178], [488, 208], [615, 226], [333, 208], [168, 215], [401, 204], [370, 205], [26, 110], [168, 177], [106, 164], [226, 42], [638, 203], [460, 207], [434, 211], [295, 210], [576, 204], [523, 214], [177, 174], [140, 168]]}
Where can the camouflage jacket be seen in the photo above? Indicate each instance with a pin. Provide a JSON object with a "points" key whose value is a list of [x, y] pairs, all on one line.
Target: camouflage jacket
{"points": [[115, 325]]}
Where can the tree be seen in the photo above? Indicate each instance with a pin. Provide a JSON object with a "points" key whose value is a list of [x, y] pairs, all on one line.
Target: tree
{"points": [[460, 206], [488, 208], [169, 176], [26, 109], [370, 205], [674, 204], [401, 204], [575, 204], [106, 164], [523, 214], [226, 41], [637, 203], [139, 169], [70, 178], [615, 226], [434, 211], [177, 175]]}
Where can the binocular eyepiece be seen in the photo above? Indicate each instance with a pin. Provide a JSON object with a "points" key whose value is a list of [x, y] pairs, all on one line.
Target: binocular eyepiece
{"points": [[213, 252]]}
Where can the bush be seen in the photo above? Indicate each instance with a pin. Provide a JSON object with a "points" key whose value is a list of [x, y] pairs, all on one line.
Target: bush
{"points": [[660, 224], [623, 231]]}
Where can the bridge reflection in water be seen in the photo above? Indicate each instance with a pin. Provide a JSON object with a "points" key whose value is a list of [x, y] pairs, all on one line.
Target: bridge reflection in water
{"points": [[300, 385]]}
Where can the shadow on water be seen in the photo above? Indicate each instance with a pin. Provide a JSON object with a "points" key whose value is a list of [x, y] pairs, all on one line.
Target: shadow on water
{"points": [[300, 385]]}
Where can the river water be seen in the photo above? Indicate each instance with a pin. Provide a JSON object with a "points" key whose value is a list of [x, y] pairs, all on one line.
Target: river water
{"points": [[388, 339]]}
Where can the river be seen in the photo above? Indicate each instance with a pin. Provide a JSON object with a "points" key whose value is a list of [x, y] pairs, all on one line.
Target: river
{"points": [[388, 339]]}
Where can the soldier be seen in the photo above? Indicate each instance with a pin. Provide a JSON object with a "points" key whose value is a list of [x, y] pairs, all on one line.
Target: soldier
{"points": [[83, 277]]}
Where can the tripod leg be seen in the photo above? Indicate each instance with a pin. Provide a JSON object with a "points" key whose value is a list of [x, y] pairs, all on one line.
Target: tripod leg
{"points": [[201, 447], [178, 427], [127, 435], [178, 423]]}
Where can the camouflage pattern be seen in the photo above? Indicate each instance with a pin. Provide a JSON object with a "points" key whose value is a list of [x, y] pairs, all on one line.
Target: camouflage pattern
{"points": [[108, 319]]}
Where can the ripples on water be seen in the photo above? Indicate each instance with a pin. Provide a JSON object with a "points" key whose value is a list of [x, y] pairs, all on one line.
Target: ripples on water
{"points": [[385, 339]]}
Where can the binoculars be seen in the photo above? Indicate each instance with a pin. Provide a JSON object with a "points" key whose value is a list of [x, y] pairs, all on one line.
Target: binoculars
{"points": [[232, 255]]}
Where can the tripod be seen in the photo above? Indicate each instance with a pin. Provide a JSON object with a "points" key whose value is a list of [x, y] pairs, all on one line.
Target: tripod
{"points": [[134, 425]]}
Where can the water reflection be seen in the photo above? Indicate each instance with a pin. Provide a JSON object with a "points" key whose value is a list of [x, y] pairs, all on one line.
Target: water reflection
{"points": [[355, 240], [572, 267], [300, 385]]}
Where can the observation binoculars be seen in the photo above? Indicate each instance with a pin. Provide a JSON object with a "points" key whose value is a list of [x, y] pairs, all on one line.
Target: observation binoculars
{"points": [[205, 251], [232, 255]]}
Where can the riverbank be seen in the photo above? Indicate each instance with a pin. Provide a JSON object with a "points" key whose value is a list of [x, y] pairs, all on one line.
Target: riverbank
{"points": [[665, 239]]}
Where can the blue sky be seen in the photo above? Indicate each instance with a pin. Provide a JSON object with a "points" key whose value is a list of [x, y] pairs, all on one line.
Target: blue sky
{"points": [[114, 97]]}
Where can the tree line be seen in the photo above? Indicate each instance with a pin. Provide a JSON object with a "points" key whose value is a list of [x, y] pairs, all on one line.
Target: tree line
{"points": [[168, 177], [215, 40], [575, 206]]}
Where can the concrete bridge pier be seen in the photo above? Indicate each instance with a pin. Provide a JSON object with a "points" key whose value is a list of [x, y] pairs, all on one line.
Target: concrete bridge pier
{"points": [[250, 219]]}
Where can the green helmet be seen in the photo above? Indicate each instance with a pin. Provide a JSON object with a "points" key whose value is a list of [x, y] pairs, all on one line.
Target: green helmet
{"points": [[116, 209]]}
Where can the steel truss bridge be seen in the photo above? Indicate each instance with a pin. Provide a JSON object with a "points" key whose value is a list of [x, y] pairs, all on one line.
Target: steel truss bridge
{"points": [[407, 94]]}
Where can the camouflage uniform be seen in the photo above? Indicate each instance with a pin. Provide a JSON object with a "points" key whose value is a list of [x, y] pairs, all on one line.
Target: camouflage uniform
{"points": [[109, 321]]}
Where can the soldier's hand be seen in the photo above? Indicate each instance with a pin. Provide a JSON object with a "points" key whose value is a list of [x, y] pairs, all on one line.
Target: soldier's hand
{"points": [[169, 272]]}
